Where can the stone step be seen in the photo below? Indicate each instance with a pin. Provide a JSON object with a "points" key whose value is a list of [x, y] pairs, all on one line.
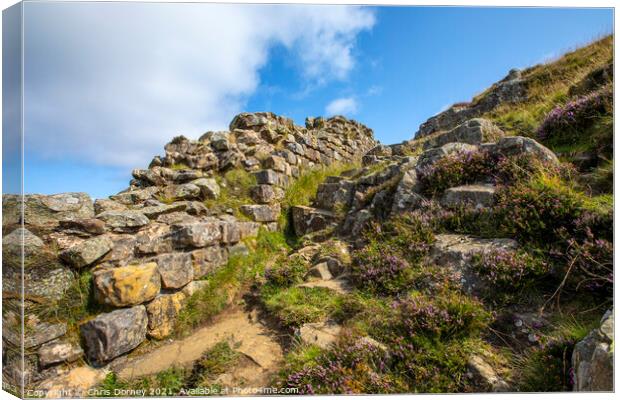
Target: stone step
{"points": [[308, 219], [477, 195], [338, 285]]}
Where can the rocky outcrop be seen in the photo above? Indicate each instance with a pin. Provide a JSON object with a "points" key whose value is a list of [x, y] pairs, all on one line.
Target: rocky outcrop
{"points": [[593, 358], [511, 89]]}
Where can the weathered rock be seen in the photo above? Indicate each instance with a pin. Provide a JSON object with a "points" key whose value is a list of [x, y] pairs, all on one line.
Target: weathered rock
{"points": [[131, 197], [276, 163], [308, 219], [474, 195], [262, 212], [41, 281], [474, 131], [430, 157], [153, 212], [231, 233], [58, 351], [162, 314], [109, 335], [123, 248], [514, 145], [184, 191], [406, 197], [456, 251], [321, 334], [21, 239], [209, 189], [88, 251], [154, 239], [124, 221], [35, 334], [593, 358], [265, 194], [198, 234], [148, 176], [175, 269], [102, 205], [320, 271], [248, 229], [486, 375], [83, 227], [45, 212], [126, 286], [334, 194], [207, 260]]}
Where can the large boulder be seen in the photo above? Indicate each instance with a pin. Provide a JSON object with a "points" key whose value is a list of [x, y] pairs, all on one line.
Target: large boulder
{"points": [[308, 219], [124, 221], [87, 252], [406, 197], [515, 145], [265, 194], [109, 335], [593, 358], [162, 313], [335, 192], [126, 286], [176, 269], [45, 212]]}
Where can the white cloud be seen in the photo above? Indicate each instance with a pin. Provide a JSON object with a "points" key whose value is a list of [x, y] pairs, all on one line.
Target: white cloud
{"points": [[344, 106], [112, 82]]}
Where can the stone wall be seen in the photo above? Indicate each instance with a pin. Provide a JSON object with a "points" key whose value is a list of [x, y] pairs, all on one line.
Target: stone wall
{"points": [[149, 247]]}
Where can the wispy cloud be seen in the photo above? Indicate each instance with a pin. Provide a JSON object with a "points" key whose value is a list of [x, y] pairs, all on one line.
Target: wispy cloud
{"points": [[112, 82], [344, 106]]}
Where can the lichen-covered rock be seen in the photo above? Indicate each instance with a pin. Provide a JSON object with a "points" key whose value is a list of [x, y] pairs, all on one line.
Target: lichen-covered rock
{"points": [[154, 239], [58, 351], [209, 188], [162, 314], [102, 205], [308, 219], [18, 240], [46, 211], [431, 156], [265, 194], [175, 269], [198, 234], [334, 193], [194, 287], [153, 212], [109, 335], [593, 358], [127, 286], [477, 196], [88, 251], [262, 212], [131, 197], [124, 221], [35, 334]]}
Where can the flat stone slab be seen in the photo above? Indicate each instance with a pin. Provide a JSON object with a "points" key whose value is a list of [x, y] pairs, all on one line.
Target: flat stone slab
{"points": [[321, 334], [478, 196], [338, 285]]}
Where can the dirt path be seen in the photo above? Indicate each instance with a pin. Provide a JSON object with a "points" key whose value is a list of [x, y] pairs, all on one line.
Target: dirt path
{"points": [[256, 341]]}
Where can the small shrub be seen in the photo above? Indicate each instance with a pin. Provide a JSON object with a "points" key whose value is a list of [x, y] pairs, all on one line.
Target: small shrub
{"points": [[215, 361], [571, 119], [353, 366], [287, 272], [508, 270], [379, 270]]}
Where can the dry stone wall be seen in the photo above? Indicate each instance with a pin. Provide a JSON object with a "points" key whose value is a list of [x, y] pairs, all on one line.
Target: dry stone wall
{"points": [[148, 247]]}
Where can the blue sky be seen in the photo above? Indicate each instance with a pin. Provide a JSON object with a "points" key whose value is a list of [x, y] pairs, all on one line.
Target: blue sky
{"points": [[107, 85]]}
